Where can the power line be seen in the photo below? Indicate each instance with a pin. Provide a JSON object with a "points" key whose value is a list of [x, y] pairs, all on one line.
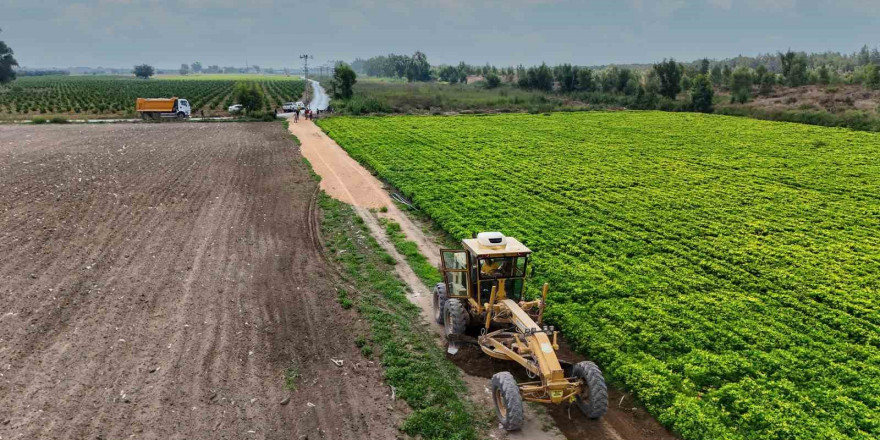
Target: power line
{"points": [[306, 58]]}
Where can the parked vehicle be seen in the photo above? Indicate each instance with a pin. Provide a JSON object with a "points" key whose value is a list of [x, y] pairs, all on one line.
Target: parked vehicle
{"points": [[300, 105], [237, 108], [289, 107], [154, 108]]}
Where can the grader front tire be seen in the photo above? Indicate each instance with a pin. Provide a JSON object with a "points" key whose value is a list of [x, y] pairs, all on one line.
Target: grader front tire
{"points": [[593, 399], [455, 317], [508, 401], [439, 302]]}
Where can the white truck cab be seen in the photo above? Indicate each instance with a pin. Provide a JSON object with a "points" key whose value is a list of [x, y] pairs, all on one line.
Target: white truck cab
{"points": [[183, 109]]}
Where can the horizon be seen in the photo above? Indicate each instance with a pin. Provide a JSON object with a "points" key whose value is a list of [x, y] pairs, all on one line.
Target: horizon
{"points": [[118, 34]]}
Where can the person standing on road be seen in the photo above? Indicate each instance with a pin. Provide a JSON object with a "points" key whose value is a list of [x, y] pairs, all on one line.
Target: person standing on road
{"points": [[296, 115]]}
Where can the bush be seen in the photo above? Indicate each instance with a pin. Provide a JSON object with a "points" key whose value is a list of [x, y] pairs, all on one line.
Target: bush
{"points": [[492, 81], [38, 121], [361, 105], [59, 120]]}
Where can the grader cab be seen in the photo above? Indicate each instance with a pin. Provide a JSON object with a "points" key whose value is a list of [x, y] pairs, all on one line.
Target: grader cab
{"points": [[483, 293]]}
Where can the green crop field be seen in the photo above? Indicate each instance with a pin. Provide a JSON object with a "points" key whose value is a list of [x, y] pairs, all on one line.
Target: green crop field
{"points": [[114, 96], [725, 270]]}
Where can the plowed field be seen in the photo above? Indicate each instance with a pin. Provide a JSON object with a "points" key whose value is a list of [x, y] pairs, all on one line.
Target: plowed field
{"points": [[160, 280]]}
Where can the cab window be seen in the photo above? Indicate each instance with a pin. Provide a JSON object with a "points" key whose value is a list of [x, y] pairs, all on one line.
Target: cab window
{"points": [[502, 267]]}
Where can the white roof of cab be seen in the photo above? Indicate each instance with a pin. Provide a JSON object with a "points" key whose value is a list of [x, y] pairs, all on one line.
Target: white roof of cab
{"points": [[513, 246]]}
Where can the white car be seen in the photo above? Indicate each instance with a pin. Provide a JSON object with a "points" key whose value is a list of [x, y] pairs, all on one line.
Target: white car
{"points": [[235, 108], [289, 106], [300, 105]]}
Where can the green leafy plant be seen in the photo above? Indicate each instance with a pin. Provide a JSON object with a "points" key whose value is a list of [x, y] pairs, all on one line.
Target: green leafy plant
{"points": [[722, 269]]}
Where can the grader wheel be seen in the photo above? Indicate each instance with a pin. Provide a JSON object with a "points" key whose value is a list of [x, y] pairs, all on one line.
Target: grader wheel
{"points": [[439, 302], [508, 401], [593, 399], [455, 317]]}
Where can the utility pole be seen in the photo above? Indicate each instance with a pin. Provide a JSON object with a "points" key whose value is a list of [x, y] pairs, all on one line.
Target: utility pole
{"points": [[306, 59]]}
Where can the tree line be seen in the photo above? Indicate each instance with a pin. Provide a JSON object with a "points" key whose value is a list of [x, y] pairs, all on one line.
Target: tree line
{"points": [[737, 75]]}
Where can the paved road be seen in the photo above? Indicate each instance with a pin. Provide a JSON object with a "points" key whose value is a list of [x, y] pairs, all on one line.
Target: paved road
{"points": [[320, 101]]}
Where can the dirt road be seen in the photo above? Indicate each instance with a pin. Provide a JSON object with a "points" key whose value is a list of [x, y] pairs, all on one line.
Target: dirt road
{"points": [[346, 180], [159, 280]]}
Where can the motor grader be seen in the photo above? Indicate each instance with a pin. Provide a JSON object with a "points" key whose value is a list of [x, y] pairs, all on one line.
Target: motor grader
{"points": [[483, 293]]}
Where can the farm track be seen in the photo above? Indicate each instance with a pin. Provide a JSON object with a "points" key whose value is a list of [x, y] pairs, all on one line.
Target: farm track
{"points": [[157, 282]]}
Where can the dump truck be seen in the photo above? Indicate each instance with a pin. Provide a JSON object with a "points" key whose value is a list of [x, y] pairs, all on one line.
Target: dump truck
{"points": [[483, 293], [155, 108]]}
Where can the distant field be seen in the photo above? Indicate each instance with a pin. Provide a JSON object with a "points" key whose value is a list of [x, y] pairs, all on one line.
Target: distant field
{"points": [[726, 270], [230, 76], [114, 96]]}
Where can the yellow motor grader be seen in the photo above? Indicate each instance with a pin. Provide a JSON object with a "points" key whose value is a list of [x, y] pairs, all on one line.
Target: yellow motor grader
{"points": [[482, 293]]}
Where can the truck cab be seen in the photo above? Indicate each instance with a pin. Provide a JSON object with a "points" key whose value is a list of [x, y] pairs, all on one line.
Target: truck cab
{"points": [[183, 109]]}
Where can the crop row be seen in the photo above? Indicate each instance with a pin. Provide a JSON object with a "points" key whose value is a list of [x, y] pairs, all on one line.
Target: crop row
{"points": [[108, 95], [725, 270]]}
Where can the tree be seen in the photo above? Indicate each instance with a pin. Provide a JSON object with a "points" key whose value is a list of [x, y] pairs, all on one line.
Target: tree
{"points": [[256, 68], [864, 56], [686, 82], [492, 80], [565, 75], [794, 68], [343, 81], [143, 71], [418, 68], [704, 66], [872, 77], [824, 76], [702, 94], [196, 67], [585, 81], [669, 74], [767, 81], [446, 73], [623, 77], [608, 79], [7, 62], [716, 76], [726, 72], [248, 95], [540, 78], [184, 69], [462, 71], [740, 85]]}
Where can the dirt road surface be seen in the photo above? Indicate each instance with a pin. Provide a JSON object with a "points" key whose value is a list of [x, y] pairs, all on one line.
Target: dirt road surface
{"points": [[345, 179], [158, 280]]}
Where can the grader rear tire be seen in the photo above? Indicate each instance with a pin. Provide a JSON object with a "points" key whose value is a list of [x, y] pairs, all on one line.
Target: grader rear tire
{"points": [[593, 400], [508, 401], [455, 317], [439, 302]]}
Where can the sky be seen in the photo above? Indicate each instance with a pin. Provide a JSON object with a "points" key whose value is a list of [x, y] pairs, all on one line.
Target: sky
{"points": [[273, 33]]}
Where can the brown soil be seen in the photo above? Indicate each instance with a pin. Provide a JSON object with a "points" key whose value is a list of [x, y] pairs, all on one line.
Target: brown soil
{"points": [[345, 179], [835, 99], [157, 282]]}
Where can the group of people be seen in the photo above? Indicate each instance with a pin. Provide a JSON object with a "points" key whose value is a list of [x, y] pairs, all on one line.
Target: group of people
{"points": [[308, 113]]}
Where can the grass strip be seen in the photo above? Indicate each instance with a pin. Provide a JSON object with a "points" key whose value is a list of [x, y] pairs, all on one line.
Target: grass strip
{"points": [[414, 364], [410, 251]]}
